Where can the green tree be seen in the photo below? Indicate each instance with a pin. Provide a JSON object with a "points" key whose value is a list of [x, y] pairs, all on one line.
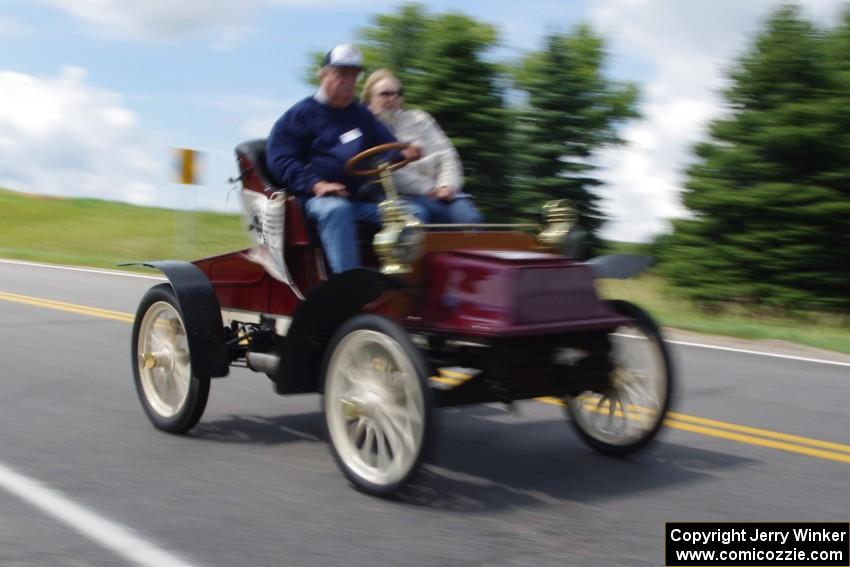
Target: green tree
{"points": [[769, 192], [395, 42], [572, 110]]}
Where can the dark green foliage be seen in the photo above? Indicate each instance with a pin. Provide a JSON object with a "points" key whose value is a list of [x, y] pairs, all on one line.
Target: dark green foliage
{"points": [[770, 192], [395, 40], [572, 110]]}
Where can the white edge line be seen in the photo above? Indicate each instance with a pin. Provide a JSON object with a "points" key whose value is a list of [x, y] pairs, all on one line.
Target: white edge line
{"points": [[682, 343], [111, 535], [88, 270], [761, 353]]}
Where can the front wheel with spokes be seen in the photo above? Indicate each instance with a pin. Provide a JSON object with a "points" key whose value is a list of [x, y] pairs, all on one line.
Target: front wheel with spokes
{"points": [[377, 403], [629, 412], [172, 396]]}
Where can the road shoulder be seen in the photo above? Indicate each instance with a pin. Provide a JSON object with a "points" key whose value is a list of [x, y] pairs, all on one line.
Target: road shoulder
{"points": [[769, 346]]}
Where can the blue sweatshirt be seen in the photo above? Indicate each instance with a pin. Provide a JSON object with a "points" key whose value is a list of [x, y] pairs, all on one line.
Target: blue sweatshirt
{"points": [[312, 141]]}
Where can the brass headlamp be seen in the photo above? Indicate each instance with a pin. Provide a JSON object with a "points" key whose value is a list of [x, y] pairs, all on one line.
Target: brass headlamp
{"points": [[560, 216]]}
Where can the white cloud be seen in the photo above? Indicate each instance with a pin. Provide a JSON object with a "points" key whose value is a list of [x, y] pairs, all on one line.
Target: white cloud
{"points": [[61, 136], [10, 28], [221, 21], [690, 47]]}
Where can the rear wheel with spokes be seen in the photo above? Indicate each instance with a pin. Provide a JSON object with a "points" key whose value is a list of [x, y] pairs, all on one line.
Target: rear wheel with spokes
{"points": [[377, 403], [172, 396], [629, 413]]}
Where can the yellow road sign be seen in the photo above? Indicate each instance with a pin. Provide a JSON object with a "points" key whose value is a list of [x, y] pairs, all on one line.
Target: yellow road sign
{"points": [[187, 166]]}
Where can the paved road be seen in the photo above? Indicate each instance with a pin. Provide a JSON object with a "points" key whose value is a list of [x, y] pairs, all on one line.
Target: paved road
{"points": [[85, 480]]}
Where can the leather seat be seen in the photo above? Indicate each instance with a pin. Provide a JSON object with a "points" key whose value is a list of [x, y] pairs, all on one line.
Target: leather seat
{"points": [[255, 152]]}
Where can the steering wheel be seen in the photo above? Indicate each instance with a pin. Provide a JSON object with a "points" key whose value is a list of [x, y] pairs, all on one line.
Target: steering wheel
{"points": [[349, 165]]}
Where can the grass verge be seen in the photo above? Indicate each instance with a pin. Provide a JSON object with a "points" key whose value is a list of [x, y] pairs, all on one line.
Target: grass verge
{"points": [[104, 234], [672, 310]]}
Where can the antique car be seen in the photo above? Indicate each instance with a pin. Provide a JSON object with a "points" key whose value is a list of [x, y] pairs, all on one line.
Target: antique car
{"points": [[442, 315]]}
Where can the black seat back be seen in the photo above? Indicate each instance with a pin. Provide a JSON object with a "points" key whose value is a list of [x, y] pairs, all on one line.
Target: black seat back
{"points": [[251, 156]]}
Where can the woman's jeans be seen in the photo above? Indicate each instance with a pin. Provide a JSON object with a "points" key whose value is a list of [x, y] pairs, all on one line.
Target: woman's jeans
{"points": [[459, 210]]}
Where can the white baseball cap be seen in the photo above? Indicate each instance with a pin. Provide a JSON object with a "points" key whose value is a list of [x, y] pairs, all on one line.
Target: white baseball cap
{"points": [[343, 55]]}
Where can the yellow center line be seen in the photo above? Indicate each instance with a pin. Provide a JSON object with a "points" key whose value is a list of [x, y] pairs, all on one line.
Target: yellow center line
{"points": [[750, 431], [68, 307], [454, 374], [723, 430], [447, 381], [749, 439], [674, 420], [759, 432]]}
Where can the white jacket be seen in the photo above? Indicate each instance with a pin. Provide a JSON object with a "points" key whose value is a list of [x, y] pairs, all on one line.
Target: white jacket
{"points": [[440, 163]]}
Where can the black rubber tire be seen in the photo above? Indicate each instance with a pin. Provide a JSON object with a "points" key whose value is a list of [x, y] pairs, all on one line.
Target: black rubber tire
{"points": [[647, 325], [199, 387], [399, 335]]}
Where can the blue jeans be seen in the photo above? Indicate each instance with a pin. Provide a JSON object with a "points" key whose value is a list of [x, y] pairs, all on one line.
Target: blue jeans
{"points": [[459, 210], [336, 219]]}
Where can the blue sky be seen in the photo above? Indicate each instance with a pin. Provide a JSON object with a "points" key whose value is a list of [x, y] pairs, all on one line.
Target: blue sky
{"points": [[95, 93]]}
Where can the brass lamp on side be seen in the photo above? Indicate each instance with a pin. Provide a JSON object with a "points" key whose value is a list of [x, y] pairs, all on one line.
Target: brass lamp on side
{"points": [[559, 216], [400, 240]]}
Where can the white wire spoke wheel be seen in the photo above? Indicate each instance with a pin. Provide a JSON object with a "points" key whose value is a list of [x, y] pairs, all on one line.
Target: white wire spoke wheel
{"points": [[172, 397], [629, 413], [376, 403]]}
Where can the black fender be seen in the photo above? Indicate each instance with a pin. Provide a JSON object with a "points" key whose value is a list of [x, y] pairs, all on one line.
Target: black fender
{"points": [[618, 266], [328, 306], [201, 314]]}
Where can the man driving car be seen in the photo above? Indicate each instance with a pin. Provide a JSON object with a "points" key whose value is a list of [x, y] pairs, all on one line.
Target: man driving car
{"points": [[309, 145]]}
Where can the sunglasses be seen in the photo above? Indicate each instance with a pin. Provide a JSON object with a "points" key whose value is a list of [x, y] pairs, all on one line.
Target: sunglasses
{"points": [[399, 92]]}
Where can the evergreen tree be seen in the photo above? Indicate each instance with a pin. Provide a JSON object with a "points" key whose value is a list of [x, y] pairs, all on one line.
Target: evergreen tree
{"points": [[395, 41], [769, 193], [572, 110]]}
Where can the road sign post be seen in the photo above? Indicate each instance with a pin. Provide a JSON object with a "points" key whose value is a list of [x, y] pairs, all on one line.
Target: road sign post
{"points": [[187, 174]]}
